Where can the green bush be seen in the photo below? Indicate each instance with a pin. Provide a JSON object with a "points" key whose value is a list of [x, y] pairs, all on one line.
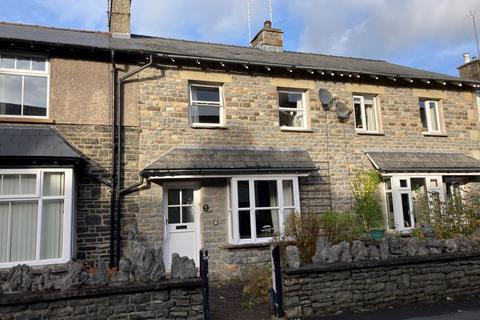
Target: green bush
{"points": [[303, 229], [365, 188], [341, 226], [450, 217]]}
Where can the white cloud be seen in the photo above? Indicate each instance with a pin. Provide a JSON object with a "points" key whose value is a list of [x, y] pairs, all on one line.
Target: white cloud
{"points": [[205, 20], [382, 27]]}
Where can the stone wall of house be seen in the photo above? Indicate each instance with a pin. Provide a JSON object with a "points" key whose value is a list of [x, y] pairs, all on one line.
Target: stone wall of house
{"points": [[359, 286], [174, 299], [92, 223], [251, 119]]}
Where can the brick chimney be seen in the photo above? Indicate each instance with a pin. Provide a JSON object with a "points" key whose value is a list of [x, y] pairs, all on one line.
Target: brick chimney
{"points": [[470, 69], [119, 18], [268, 38]]}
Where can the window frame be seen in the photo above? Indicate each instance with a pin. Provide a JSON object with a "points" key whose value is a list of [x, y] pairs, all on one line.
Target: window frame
{"points": [[68, 213], [234, 231], [363, 113], [31, 73], [220, 105], [304, 109], [428, 116]]}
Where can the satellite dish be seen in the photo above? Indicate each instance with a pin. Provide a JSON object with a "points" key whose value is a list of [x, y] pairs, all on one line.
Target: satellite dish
{"points": [[342, 110], [325, 97]]}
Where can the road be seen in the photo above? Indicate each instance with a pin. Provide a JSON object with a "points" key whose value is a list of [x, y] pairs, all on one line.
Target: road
{"points": [[466, 308]]}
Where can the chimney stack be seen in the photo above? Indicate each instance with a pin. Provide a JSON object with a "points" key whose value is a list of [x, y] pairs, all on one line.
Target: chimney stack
{"points": [[119, 18], [268, 38], [470, 69]]}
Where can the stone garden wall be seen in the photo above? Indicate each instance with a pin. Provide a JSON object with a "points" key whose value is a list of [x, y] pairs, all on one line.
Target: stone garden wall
{"points": [[169, 299], [139, 289], [366, 276]]}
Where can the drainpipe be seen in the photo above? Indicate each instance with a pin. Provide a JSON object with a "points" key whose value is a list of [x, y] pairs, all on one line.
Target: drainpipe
{"points": [[113, 165], [119, 80]]}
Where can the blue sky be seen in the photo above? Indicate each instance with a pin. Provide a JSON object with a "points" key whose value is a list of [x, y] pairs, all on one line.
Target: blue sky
{"points": [[428, 34]]}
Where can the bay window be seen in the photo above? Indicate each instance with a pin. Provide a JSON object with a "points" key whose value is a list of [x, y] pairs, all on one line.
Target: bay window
{"points": [[35, 216], [260, 206], [407, 195], [23, 86]]}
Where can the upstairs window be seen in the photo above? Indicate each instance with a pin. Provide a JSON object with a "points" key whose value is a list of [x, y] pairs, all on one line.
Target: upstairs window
{"points": [[366, 114], [23, 86], [291, 109], [206, 105], [430, 116]]}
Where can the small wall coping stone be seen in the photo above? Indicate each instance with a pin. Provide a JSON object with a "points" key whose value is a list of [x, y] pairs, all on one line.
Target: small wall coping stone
{"points": [[403, 260], [23, 298]]}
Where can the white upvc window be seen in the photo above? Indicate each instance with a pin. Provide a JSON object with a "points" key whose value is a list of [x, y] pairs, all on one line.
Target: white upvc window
{"points": [[206, 105], [292, 109], [366, 113], [35, 216], [403, 194], [430, 116], [260, 206], [24, 86]]}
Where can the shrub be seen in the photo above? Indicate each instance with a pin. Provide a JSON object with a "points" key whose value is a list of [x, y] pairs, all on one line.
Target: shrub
{"points": [[450, 217], [258, 281], [303, 229], [341, 226], [365, 188]]}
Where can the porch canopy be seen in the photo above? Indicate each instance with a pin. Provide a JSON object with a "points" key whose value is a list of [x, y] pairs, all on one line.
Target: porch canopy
{"points": [[420, 161], [227, 161], [20, 144]]}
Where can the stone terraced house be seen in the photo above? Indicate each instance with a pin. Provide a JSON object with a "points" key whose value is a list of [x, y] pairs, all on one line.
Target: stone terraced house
{"points": [[203, 145]]}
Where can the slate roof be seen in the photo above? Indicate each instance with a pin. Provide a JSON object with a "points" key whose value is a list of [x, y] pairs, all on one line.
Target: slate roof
{"points": [[214, 160], [417, 161], [34, 142], [220, 52]]}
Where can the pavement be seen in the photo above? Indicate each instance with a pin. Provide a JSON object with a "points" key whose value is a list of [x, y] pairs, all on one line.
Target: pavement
{"points": [[464, 308]]}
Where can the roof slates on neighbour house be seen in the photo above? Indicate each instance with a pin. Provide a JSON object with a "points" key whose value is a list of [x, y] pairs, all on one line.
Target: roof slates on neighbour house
{"points": [[35, 142], [220, 52], [418, 161], [214, 160]]}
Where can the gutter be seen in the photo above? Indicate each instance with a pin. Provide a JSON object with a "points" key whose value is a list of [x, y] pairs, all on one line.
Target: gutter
{"points": [[117, 126]]}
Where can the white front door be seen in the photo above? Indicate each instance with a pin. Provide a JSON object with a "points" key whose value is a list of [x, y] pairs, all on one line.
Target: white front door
{"points": [[181, 223]]}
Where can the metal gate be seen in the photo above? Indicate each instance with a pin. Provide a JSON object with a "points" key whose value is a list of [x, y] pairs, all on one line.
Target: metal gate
{"points": [[204, 275]]}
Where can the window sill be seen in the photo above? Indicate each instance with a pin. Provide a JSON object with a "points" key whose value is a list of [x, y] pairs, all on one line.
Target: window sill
{"points": [[55, 265], [26, 120], [300, 130], [247, 246], [429, 134], [193, 126], [366, 133]]}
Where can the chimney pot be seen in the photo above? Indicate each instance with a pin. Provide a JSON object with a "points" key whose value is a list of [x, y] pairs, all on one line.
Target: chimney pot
{"points": [[466, 57], [268, 38]]}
